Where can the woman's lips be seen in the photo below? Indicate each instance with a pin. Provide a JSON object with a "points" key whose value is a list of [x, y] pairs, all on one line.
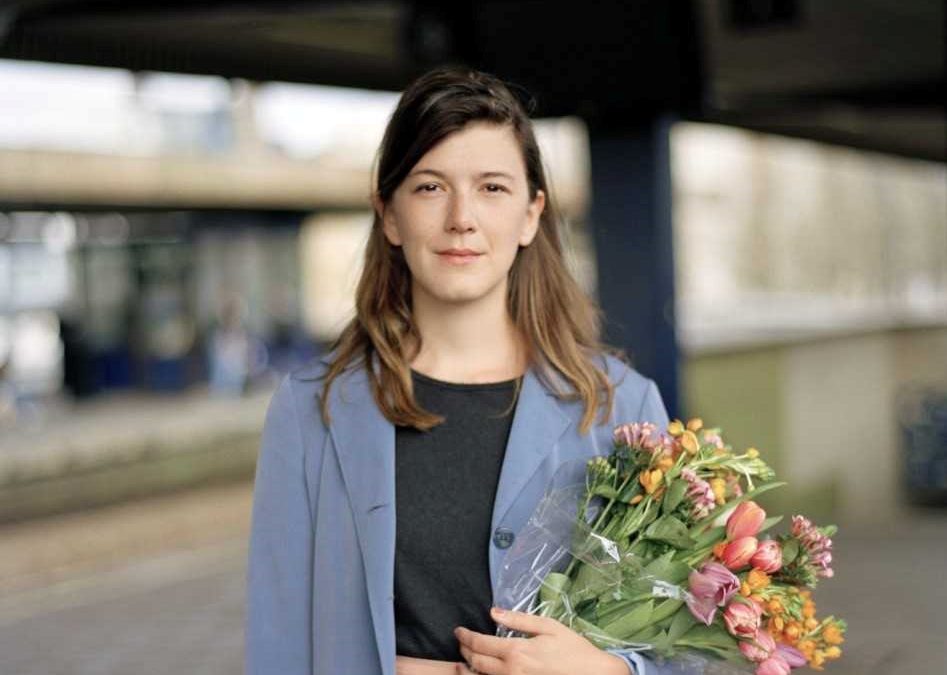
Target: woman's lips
{"points": [[454, 257]]}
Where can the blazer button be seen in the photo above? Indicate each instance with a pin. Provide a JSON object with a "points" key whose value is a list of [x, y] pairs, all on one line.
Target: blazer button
{"points": [[503, 537]]}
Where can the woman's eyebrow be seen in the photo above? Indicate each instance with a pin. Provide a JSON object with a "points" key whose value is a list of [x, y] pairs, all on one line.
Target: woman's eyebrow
{"points": [[483, 174]]}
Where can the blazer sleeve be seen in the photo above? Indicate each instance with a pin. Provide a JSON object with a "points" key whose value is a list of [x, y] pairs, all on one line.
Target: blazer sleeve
{"points": [[652, 407], [279, 573]]}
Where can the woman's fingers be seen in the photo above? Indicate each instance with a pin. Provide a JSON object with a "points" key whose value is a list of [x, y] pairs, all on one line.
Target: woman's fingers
{"points": [[480, 643], [481, 663], [526, 623]]}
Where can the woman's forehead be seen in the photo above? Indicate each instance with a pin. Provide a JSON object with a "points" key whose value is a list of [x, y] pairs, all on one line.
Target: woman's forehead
{"points": [[479, 149]]}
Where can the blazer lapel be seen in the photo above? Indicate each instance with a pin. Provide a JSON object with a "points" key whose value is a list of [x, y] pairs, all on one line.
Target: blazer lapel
{"points": [[365, 444], [538, 424]]}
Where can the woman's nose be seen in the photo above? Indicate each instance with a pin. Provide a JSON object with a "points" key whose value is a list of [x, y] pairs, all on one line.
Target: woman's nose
{"points": [[461, 217]]}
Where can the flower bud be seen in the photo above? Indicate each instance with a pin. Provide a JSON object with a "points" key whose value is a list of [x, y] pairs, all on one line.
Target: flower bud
{"points": [[650, 480], [688, 441], [774, 665], [760, 648], [737, 554], [745, 521], [742, 619], [695, 424], [768, 557], [712, 586], [791, 655], [676, 428]]}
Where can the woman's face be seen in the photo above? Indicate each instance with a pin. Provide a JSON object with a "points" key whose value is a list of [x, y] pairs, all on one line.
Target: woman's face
{"points": [[461, 214]]}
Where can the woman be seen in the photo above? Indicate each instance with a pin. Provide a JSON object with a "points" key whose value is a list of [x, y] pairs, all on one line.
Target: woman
{"points": [[395, 473]]}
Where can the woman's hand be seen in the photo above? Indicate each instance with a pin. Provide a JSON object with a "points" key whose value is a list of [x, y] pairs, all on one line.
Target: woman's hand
{"points": [[408, 665], [553, 649]]}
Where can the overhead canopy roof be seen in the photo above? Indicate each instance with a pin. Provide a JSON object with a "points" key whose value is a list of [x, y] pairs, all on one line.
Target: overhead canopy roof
{"points": [[860, 73]]}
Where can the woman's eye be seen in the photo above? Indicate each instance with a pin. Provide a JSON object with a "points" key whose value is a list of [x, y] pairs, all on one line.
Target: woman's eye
{"points": [[427, 187], [495, 187]]}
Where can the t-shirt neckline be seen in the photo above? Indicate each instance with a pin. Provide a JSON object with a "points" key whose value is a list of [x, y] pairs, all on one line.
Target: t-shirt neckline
{"points": [[427, 379]]}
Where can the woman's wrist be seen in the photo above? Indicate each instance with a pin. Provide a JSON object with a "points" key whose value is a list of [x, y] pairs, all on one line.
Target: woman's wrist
{"points": [[408, 665], [615, 665]]}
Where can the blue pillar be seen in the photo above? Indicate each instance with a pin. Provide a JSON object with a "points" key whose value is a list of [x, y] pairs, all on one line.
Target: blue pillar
{"points": [[631, 224]]}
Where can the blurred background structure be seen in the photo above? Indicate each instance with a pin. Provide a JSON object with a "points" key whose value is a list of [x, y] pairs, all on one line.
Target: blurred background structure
{"points": [[756, 192]]}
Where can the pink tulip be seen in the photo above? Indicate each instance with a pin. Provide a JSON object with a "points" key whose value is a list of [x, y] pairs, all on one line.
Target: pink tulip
{"points": [[745, 521], [742, 619], [768, 557], [703, 609], [791, 655], [710, 587], [714, 581], [774, 665], [759, 648], [737, 553]]}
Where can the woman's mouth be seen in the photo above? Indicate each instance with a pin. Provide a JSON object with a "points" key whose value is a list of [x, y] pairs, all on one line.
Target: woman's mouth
{"points": [[458, 256]]}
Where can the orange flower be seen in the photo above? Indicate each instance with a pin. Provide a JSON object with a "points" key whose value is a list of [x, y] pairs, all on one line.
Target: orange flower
{"points": [[665, 463], [832, 635], [774, 606], [695, 424], [807, 647], [758, 580], [832, 652], [650, 480], [688, 441]]}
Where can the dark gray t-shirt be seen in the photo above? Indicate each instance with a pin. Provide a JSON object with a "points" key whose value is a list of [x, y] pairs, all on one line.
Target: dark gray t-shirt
{"points": [[445, 483]]}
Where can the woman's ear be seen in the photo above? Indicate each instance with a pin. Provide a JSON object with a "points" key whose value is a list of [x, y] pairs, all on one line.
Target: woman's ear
{"points": [[533, 212], [387, 218]]}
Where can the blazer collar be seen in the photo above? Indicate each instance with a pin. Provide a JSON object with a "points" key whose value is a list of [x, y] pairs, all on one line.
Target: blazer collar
{"points": [[365, 445]]}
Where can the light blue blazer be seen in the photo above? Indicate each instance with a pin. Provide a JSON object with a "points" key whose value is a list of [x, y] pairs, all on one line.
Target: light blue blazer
{"points": [[322, 543]]}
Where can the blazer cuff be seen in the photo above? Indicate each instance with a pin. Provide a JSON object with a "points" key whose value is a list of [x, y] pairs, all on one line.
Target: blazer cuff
{"points": [[635, 661]]}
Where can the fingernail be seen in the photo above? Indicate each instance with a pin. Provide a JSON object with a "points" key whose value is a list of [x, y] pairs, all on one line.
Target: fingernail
{"points": [[498, 612]]}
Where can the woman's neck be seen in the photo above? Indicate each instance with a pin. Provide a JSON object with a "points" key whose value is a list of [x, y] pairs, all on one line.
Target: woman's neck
{"points": [[467, 342]]}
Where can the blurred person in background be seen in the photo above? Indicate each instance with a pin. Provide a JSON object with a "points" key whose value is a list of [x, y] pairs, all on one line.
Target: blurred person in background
{"points": [[395, 472], [233, 352]]}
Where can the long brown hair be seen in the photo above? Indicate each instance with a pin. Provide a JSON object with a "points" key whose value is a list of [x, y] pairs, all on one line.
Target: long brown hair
{"points": [[561, 325]]}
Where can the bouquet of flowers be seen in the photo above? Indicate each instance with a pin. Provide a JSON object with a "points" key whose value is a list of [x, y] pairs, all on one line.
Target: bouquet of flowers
{"points": [[665, 554]]}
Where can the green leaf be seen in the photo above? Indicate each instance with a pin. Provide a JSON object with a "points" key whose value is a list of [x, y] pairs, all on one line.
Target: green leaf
{"points": [[769, 522], [680, 624], [591, 581], [606, 491], [665, 609], [630, 491], [712, 636], [671, 531], [790, 550], [554, 586], [594, 634], [674, 495], [649, 635], [658, 568], [632, 622], [711, 536], [552, 592]]}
